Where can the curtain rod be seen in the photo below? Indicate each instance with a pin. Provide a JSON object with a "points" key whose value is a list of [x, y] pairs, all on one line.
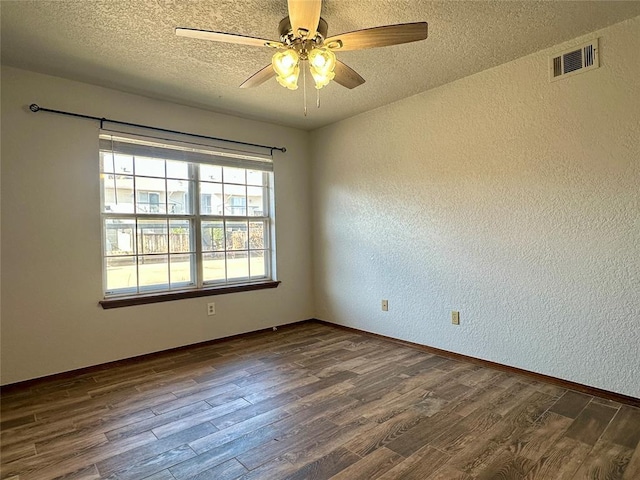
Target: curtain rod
{"points": [[36, 108]]}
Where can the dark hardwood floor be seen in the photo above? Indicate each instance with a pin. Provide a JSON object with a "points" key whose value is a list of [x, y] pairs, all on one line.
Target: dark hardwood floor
{"points": [[311, 401]]}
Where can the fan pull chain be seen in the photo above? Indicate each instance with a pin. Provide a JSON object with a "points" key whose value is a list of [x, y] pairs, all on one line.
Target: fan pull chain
{"points": [[317, 98], [304, 88]]}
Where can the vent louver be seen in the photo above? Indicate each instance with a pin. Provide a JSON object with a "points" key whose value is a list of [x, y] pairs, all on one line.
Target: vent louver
{"points": [[577, 60]]}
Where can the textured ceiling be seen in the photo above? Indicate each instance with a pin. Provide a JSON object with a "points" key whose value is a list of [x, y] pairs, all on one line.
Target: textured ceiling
{"points": [[131, 46]]}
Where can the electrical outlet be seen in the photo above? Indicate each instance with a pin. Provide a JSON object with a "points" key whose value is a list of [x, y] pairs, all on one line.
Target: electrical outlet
{"points": [[455, 318], [211, 308], [385, 305]]}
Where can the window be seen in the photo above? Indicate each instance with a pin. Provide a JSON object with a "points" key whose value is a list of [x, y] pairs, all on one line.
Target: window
{"points": [[148, 202], [180, 217]]}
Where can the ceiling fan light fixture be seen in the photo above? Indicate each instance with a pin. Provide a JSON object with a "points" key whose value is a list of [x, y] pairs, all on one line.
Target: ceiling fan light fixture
{"points": [[290, 81], [321, 79], [322, 59], [285, 62], [322, 63]]}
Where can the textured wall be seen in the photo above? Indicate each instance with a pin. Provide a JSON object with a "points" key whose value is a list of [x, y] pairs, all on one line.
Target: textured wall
{"points": [[51, 251], [506, 197]]}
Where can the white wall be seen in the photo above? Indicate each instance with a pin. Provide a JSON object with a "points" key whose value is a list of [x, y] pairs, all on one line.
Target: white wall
{"points": [[51, 253], [511, 199]]}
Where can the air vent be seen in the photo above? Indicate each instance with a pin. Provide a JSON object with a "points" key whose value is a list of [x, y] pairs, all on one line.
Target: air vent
{"points": [[571, 62]]}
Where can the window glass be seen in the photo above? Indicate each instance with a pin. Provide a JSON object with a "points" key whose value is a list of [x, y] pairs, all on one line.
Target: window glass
{"points": [[210, 173], [214, 267], [234, 175], [237, 265], [149, 167]]}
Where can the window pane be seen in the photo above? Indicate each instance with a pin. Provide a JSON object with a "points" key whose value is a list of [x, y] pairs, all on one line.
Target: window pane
{"points": [[256, 235], [153, 236], [178, 195], [150, 195], [119, 237], [257, 259], [177, 170], [182, 270], [213, 267], [234, 175], [210, 173], [256, 197], [121, 273], [180, 236], [205, 203], [237, 265], [153, 272], [212, 236], [149, 167], [114, 163], [106, 162], [210, 198], [237, 235], [117, 193], [235, 200], [255, 177]]}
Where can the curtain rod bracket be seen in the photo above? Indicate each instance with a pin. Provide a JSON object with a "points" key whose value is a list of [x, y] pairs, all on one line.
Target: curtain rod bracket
{"points": [[36, 108]]}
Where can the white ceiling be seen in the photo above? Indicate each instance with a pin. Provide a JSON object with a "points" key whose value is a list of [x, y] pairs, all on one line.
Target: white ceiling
{"points": [[130, 45]]}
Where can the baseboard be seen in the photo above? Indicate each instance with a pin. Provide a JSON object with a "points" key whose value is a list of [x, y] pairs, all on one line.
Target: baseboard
{"points": [[34, 382], [598, 392]]}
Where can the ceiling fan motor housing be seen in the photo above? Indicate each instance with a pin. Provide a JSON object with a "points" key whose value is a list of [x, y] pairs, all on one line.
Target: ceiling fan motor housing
{"points": [[288, 36]]}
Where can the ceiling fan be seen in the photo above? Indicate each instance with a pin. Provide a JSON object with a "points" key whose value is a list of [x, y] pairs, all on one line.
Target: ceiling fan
{"points": [[303, 40]]}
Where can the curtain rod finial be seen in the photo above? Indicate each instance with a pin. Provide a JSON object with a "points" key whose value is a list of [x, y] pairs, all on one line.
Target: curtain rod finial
{"points": [[34, 107]]}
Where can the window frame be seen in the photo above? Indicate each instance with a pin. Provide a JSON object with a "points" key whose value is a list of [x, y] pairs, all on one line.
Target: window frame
{"points": [[199, 285]]}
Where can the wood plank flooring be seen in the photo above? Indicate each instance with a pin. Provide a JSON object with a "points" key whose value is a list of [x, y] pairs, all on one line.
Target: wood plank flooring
{"points": [[311, 401]]}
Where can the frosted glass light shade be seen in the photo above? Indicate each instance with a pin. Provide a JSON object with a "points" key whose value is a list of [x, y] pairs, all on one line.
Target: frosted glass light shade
{"points": [[284, 62], [322, 59], [290, 81], [322, 62], [321, 80]]}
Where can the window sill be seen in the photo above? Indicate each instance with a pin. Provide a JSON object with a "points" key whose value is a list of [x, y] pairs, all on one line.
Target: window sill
{"points": [[169, 296]]}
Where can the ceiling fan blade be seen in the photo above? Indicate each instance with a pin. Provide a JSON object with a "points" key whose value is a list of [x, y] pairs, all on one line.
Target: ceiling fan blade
{"points": [[225, 37], [259, 77], [347, 76], [304, 14], [379, 36]]}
